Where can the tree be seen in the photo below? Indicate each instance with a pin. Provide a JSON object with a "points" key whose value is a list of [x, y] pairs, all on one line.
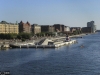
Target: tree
{"points": [[24, 35], [8, 36]]}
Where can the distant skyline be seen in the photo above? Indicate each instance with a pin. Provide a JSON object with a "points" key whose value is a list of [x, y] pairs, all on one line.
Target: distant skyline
{"points": [[73, 13]]}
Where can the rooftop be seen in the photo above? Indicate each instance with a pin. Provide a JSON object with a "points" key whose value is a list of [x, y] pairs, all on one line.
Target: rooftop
{"points": [[4, 22]]}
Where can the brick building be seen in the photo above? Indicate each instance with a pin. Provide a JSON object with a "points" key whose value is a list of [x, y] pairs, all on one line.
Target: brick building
{"points": [[24, 27]]}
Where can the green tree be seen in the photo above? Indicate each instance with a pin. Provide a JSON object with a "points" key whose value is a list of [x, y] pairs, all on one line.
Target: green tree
{"points": [[24, 35], [8, 36]]}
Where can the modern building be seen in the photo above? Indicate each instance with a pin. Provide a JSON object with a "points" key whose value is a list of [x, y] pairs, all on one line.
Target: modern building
{"points": [[86, 30], [35, 28], [91, 24], [47, 28], [24, 27], [6, 27]]}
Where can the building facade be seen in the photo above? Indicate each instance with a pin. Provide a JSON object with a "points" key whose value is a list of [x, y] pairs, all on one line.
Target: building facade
{"points": [[47, 28], [91, 24], [61, 27], [24, 27], [58, 27], [35, 28], [67, 28], [72, 29], [8, 27], [86, 30]]}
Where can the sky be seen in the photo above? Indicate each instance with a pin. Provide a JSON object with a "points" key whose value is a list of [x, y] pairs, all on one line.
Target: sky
{"points": [[72, 13]]}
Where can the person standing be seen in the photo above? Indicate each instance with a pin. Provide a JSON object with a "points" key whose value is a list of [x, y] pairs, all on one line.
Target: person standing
{"points": [[67, 38]]}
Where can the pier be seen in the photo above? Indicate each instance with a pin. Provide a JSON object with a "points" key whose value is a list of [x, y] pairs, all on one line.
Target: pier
{"points": [[52, 42], [45, 43]]}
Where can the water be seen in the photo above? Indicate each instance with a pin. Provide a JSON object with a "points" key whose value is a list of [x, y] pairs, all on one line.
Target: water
{"points": [[66, 60]]}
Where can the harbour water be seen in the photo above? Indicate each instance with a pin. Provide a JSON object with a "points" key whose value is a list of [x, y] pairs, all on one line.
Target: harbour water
{"points": [[66, 60]]}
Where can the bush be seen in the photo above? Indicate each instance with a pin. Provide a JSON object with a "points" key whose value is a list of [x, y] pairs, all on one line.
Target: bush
{"points": [[8, 36], [24, 35], [23, 39]]}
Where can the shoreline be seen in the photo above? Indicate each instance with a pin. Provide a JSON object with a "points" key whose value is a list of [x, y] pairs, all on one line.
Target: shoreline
{"points": [[6, 43], [39, 38]]}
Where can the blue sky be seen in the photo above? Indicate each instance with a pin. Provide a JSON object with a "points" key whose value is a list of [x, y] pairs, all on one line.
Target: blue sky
{"points": [[73, 13]]}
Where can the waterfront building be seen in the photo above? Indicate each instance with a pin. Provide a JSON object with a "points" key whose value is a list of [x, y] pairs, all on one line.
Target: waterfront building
{"points": [[63, 27], [60, 27], [6, 27], [93, 27], [72, 29], [67, 28], [47, 28], [35, 28], [24, 27], [86, 30]]}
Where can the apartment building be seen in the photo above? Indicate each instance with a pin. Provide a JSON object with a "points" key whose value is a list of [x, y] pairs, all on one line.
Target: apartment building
{"points": [[61, 27], [47, 28], [86, 30], [8, 27], [35, 28], [24, 27]]}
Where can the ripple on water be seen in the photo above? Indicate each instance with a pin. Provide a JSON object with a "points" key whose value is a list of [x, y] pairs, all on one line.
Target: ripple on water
{"points": [[66, 60]]}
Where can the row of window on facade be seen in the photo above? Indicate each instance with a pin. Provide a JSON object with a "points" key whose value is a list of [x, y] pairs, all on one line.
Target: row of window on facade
{"points": [[8, 28], [35, 28]]}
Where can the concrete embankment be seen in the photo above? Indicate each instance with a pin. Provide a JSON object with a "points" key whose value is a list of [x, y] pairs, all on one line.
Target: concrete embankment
{"points": [[45, 45], [58, 42], [77, 36], [65, 43], [4, 46], [55, 45], [73, 36]]}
